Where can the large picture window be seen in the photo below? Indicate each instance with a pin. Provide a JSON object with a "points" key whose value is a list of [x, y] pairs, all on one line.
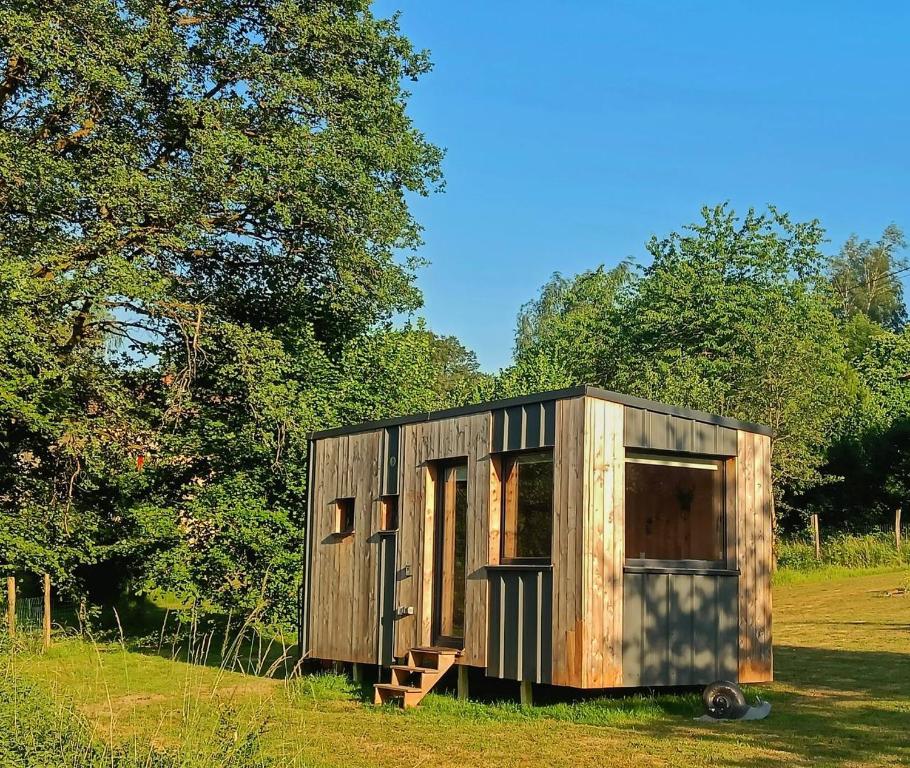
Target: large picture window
{"points": [[675, 509], [527, 507]]}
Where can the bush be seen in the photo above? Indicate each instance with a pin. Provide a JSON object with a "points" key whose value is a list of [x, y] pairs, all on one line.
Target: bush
{"points": [[873, 550]]}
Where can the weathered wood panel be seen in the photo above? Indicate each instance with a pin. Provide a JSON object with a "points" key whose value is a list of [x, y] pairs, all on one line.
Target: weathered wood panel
{"points": [[604, 542], [753, 535], [344, 613], [588, 543], [422, 444], [520, 623], [680, 629]]}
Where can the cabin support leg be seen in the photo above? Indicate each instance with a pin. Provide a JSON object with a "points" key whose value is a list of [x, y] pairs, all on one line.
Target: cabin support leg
{"points": [[463, 685], [526, 693], [357, 672]]}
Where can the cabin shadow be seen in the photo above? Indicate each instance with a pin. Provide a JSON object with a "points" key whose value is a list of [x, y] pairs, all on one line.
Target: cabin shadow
{"points": [[217, 640], [838, 716]]}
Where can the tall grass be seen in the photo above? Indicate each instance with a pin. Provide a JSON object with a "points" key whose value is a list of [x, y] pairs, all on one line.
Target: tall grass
{"points": [[850, 551]]}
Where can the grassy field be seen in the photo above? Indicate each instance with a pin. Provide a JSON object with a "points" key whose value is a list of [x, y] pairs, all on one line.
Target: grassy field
{"points": [[842, 697]]}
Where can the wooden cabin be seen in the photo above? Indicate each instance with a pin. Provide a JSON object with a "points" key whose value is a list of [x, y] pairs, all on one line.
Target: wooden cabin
{"points": [[577, 538]]}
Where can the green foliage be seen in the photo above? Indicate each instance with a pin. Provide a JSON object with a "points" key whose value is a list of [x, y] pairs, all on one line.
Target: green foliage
{"points": [[865, 278], [852, 551], [201, 209], [731, 316]]}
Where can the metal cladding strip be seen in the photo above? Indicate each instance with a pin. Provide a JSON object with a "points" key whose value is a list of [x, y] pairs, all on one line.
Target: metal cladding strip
{"points": [[560, 394], [679, 628], [386, 577], [520, 623], [391, 460], [522, 427]]}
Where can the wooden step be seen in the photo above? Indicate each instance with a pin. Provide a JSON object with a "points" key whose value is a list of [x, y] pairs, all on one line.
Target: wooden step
{"points": [[425, 666], [415, 670], [407, 695], [439, 650]]}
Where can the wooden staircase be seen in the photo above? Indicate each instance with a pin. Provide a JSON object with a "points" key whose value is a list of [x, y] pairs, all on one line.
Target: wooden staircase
{"points": [[411, 681]]}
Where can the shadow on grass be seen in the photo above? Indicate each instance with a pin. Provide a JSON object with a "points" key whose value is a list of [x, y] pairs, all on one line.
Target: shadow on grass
{"points": [[830, 707], [216, 640]]}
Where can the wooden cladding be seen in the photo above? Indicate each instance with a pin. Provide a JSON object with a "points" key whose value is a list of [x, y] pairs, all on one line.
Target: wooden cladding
{"points": [[586, 621], [654, 431], [525, 426], [423, 445], [588, 543], [753, 530]]}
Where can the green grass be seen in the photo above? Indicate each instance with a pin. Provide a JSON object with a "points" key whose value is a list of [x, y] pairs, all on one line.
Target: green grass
{"points": [[841, 698], [851, 551]]}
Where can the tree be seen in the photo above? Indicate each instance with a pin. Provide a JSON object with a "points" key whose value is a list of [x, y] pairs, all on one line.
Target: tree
{"points": [[865, 277], [732, 316], [573, 325], [200, 206]]}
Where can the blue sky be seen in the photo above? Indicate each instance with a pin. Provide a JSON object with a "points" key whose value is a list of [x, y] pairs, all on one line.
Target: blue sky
{"points": [[575, 130]]}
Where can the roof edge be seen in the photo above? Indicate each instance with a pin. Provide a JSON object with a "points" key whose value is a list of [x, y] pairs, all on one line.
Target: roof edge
{"points": [[539, 397]]}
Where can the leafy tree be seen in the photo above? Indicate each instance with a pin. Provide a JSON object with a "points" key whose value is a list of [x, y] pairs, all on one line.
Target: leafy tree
{"points": [[573, 324], [863, 278], [200, 205]]}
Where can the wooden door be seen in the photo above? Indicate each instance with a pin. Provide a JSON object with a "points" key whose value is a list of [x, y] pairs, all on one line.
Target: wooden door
{"points": [[450, 554]]}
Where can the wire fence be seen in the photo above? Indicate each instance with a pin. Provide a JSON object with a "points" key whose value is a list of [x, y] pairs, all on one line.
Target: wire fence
{"points": [[30, 614]]}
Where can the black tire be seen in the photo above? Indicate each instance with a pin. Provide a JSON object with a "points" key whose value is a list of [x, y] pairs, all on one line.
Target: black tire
{"points": [[724, 700]]}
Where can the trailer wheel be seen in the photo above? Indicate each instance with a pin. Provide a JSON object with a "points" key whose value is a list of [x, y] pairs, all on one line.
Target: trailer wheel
{"points": [[724, 700]]}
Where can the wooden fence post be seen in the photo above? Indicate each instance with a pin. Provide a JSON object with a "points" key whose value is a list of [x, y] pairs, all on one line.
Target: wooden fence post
{"points": [[47, 610], [897, 528], [11, 605], [816, 537]]}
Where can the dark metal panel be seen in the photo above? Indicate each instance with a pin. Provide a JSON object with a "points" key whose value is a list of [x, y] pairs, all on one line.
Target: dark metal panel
{"points": [[704, 641], [727, 628], [660, 431], [632, 624], [549, 422], [303, 630], [681, 619], [494, 637], [679, 628], [391, 460], [386, 645], [514, 430], [531, 432], [531, 425], [726, 441], [655, 668], [520, 623], [498, 442]]}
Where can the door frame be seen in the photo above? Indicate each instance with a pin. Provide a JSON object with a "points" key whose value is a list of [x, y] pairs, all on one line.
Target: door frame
{"points": [[441, 467]]}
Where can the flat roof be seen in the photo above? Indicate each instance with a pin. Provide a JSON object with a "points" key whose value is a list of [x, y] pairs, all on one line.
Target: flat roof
{"points": [[540, 397]]}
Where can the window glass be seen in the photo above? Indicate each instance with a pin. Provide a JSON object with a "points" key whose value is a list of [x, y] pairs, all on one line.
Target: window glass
{"points": [[674, 508], [527, 507]]}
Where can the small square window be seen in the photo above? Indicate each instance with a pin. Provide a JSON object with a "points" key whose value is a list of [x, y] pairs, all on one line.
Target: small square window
{"points": [[388, 513], [344, 516]]}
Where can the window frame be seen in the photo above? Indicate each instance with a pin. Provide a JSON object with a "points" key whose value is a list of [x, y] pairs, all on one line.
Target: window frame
{"points": [[507, 463], [721, 464], [341, 504]]}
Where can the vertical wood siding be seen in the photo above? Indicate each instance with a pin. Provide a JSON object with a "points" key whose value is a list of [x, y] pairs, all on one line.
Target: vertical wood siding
{"points": [[343, 596], [421, 444], [753, 533], [588, 543]]}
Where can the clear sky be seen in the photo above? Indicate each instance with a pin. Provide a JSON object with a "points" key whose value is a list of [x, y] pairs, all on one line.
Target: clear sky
{"points": [[575, 130]]}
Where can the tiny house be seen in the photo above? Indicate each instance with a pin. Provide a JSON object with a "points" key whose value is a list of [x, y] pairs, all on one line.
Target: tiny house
{"points": [[577, 538]]}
